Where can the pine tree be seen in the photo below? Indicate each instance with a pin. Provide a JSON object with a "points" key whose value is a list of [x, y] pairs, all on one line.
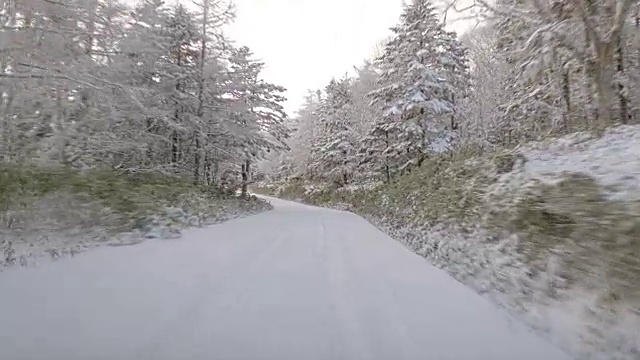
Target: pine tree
{"points": [[258, 113], [337, 154], [302, 160], [420, 68], [183, 73]]}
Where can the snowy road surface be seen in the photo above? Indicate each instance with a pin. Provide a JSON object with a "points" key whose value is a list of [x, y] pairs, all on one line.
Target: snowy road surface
{"points": [[295, 283]]}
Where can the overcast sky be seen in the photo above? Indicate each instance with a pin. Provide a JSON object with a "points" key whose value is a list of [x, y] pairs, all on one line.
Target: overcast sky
{"points": [[306, 42]]}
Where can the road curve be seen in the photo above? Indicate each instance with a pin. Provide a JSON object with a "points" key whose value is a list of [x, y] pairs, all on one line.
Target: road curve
{"points": [[295, 283]]}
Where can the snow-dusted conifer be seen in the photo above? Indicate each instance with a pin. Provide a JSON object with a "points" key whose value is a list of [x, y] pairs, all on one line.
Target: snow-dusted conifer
{"points": [[257, 113], [337, 154], [417, 86]]}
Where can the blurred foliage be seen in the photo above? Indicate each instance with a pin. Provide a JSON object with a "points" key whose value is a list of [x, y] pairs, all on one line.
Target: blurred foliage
{"points": [[130, 195]]}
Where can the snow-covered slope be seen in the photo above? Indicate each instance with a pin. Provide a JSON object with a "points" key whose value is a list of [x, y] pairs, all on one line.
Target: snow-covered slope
{"points": [[294, 283], [613, 160]]}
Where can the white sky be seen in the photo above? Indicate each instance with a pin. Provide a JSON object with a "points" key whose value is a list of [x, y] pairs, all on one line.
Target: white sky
{"points": [[304, 43]]}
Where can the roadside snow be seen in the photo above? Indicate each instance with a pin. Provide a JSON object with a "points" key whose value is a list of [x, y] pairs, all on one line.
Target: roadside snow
{"points": [[294, 283], [490, 265], [60, 226]]}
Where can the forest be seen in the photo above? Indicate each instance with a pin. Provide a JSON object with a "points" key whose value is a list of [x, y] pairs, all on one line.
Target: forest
{"points": [[526, 71], [145, 88]]}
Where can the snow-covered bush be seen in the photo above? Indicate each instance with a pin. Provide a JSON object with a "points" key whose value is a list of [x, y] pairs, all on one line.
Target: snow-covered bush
{"points": [[59, 211]]}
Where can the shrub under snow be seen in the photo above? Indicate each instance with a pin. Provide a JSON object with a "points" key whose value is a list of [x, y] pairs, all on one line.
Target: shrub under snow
{"points": [[56, 212]]}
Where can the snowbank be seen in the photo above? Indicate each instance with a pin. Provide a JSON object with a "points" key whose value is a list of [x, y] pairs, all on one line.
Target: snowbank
{"points": [[51, 240]]}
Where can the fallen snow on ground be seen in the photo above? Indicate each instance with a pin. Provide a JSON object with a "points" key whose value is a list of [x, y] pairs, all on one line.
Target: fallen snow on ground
{"points": [[294, 283]]}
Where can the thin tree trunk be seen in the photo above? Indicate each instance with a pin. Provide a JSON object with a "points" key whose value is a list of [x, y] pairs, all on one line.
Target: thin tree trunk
{"points": [[7, 128], [387, 168], [566, 95], [207, 170], [454, 126], [175, 145], [62, 131], [604, 48], [245, 178], [196, 160], [91, 27], [203, 52], [604, 94], [622, 97]]}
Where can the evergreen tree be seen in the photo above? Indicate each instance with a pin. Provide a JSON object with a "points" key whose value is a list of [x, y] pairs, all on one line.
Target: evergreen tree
{"points": [[258, 114], [337, 154], [421, 66]]}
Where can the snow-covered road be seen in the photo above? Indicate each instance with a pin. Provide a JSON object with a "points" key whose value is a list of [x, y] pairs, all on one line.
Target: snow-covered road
{"points": [[295, 283]]}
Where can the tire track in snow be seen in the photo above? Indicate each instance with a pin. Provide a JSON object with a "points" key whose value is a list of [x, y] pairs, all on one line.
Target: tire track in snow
{"points": [[384, 299], [342, 298], [205, 291]]}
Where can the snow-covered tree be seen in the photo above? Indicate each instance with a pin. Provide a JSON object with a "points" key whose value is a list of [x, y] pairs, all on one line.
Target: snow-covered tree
{"points": [[91, 83], [421, 66], [338, 148], [257, 114], [305, 133]]}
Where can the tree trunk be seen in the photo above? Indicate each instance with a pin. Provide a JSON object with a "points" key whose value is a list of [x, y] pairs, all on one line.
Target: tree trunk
{"points": [[203, 52], [90, 26], [62, 130], [207, 170], [196, 165], [245, 178], [604, 45], [7, 128], [215, 172], [604, 94], [454, 125], [622, 96], [150, 155], [566, 95], [175, 147], [387, 168]]}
